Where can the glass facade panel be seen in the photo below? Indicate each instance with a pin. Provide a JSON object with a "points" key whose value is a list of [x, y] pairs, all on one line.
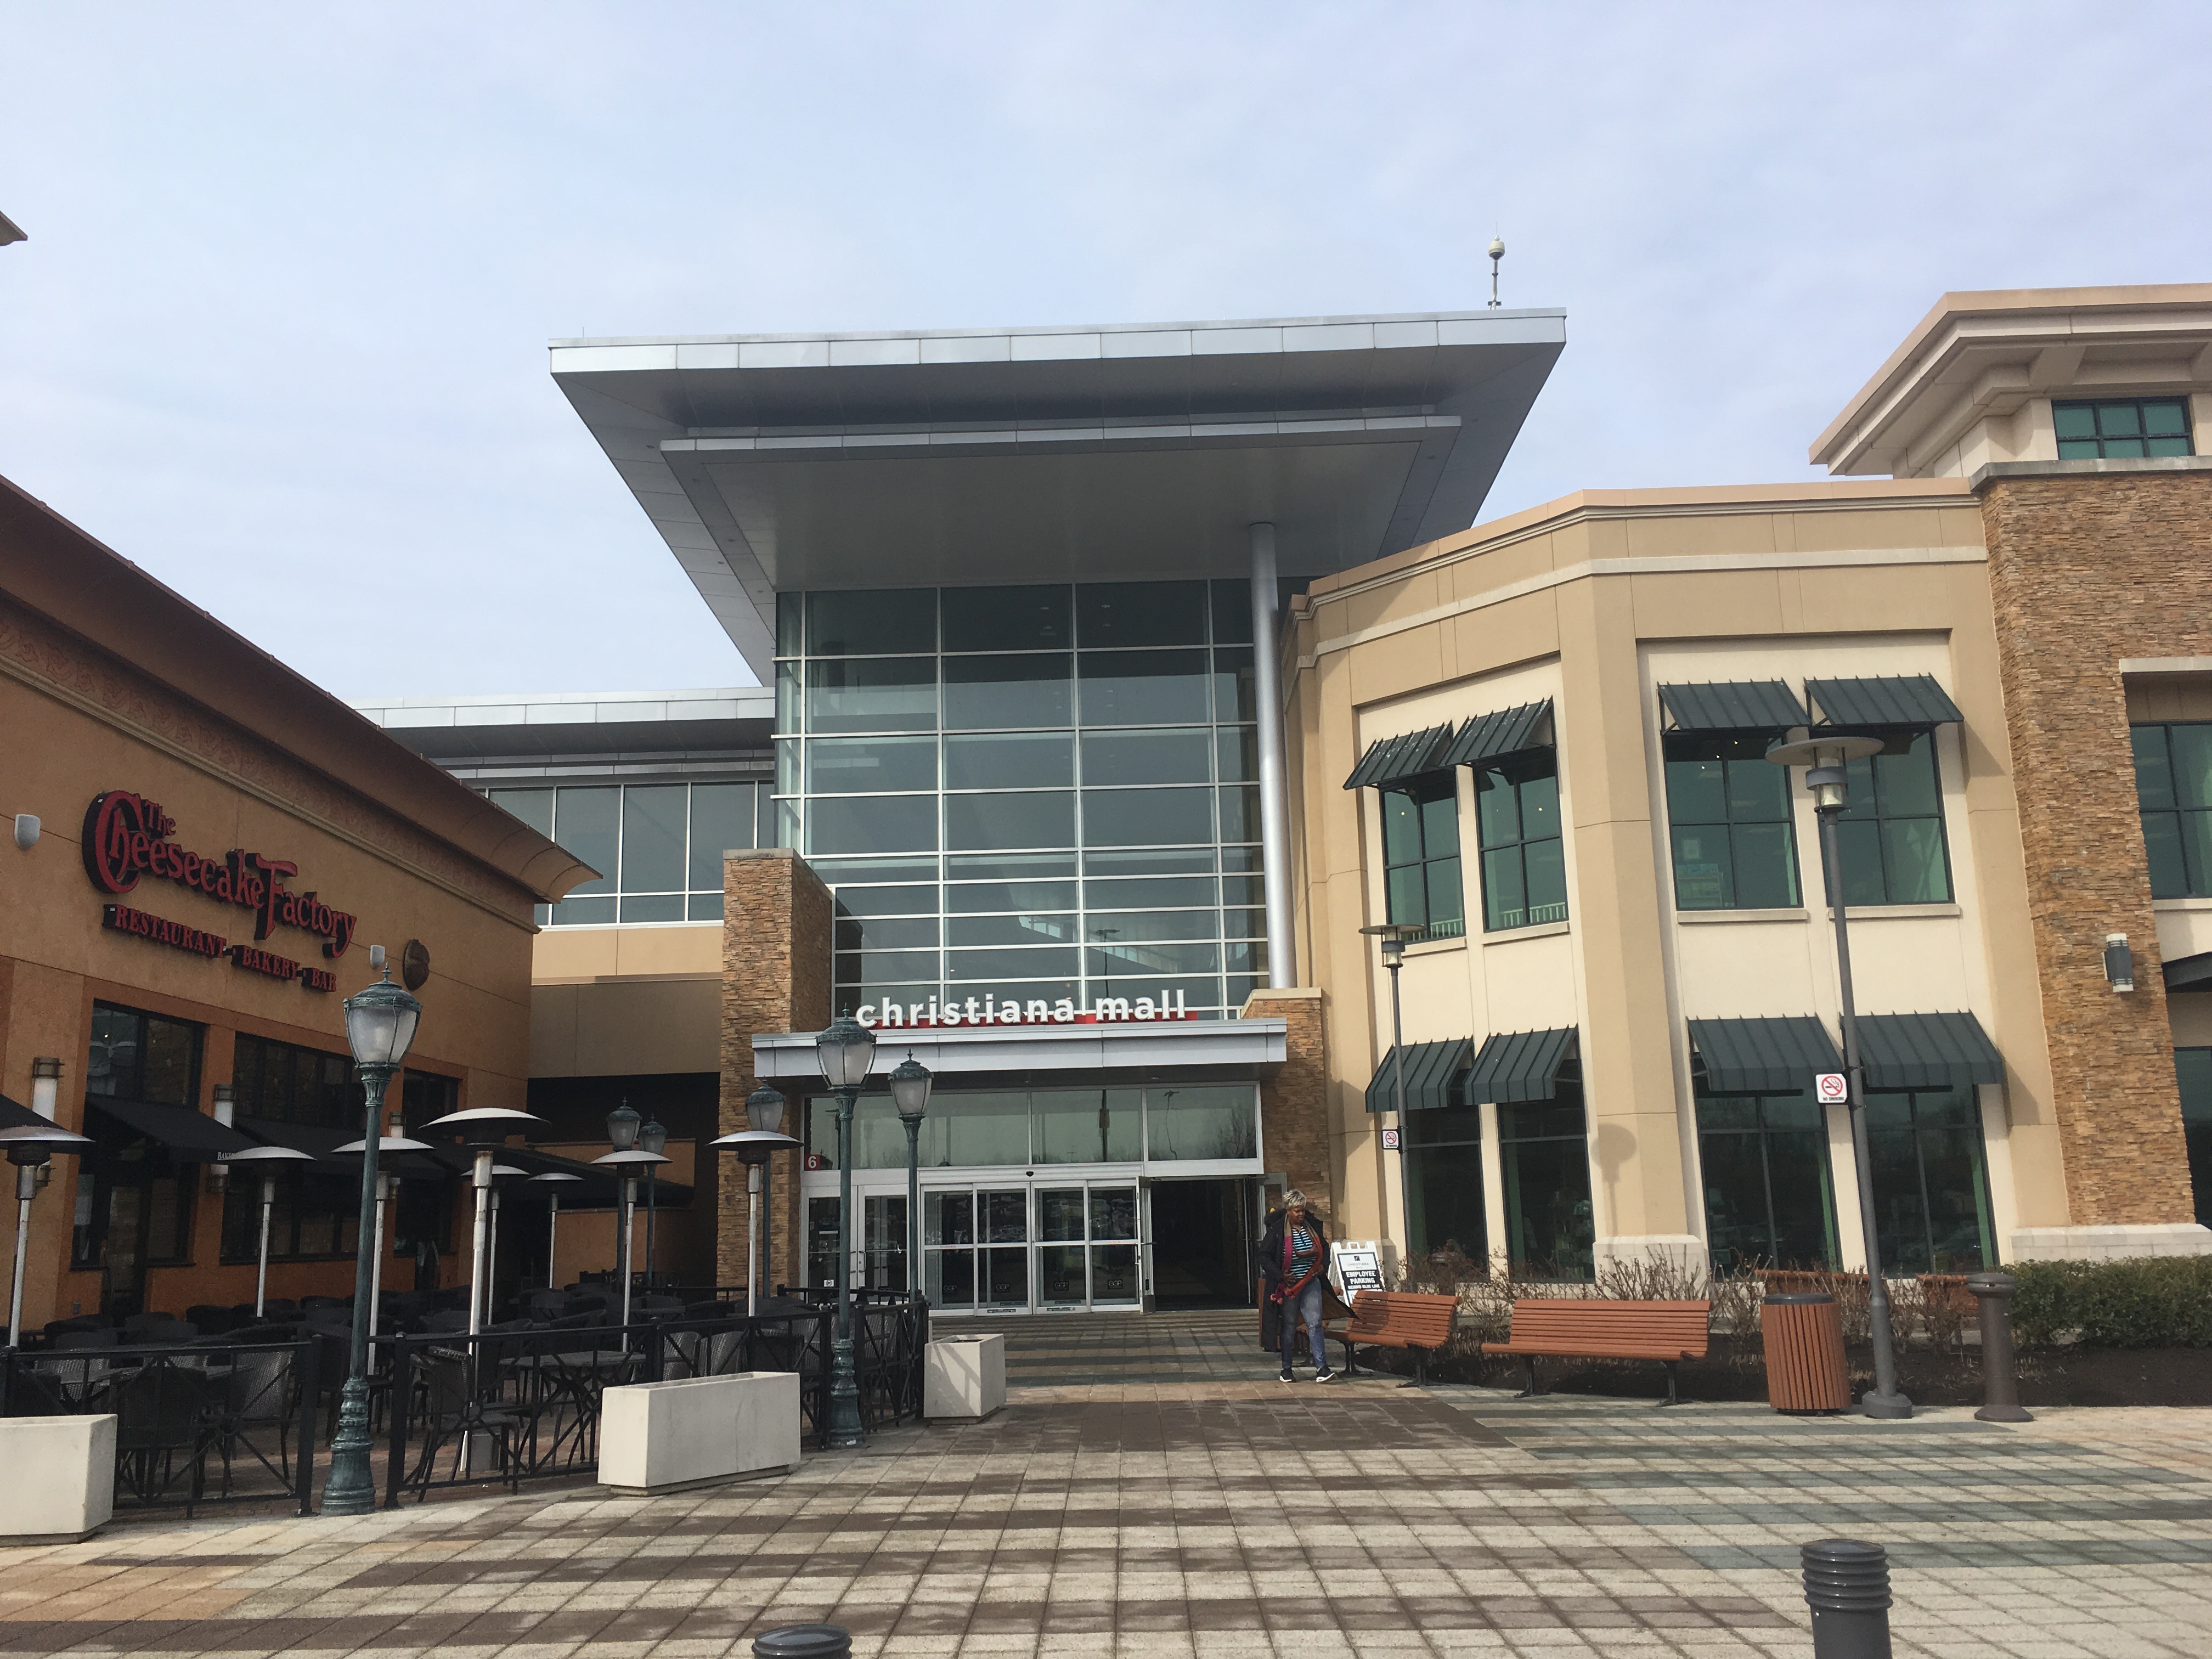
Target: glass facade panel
{"points": [[2122, 429], [1729, 814], [1141, 613], [658, 845], [2193, 1070], [652, 838], [2173, 789], [1090, 1126], [872, 823], [1144, 687], [1544, 1159], [1200, 1121], [1443, 1182], [1010, 760], [1007, 618], [1769, 1200], [883, 694], [1891, 833], [1524, 879], [1173, 754], [1930, 1187], [981, 692], [870, 766], [1132, 817], [865, 624], [1010, 819]]}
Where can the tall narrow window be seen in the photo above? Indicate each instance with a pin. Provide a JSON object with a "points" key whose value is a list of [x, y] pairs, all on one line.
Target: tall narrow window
{"points": [[1768, 1197], [1543, 1154], [2174, 788], [1891, 833], [1524, 871], [2121, 429], [1444, 1183], [1420, 855], [1931, 1190], [1729, 812], [2193, 1071]]}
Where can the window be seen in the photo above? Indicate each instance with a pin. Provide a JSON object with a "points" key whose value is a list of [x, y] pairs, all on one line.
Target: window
{"points": [[1444, 1183], [1891, 833], [1420, 855], [142, 1057], [1768, 1196], [659, 847], [134, 1199], [2116, 428], [284, 1082], [1517, 814], [1543, 1154], [2174, 788], [2193, 1071], [1729, 812], [1932, 1192], [980, 1129], [316, 1214]]}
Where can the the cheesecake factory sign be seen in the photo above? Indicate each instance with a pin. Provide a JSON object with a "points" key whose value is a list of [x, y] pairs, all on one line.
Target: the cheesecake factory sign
{"points": [[127, 838]]}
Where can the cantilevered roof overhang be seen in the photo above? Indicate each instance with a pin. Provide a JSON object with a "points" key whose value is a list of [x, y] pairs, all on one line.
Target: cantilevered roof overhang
{"points": [[777, 462]]}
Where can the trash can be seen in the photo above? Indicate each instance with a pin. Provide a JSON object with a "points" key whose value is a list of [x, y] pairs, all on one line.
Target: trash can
{"points": [[1804, 1337]]}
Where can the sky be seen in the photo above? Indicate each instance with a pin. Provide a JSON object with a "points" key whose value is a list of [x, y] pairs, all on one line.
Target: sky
{"points": [[278, 333]]}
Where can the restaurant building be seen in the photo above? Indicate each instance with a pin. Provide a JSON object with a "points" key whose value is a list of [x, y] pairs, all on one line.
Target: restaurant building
{"points": [[204, 848]]}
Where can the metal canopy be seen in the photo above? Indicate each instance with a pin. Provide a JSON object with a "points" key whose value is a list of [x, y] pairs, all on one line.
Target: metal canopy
{"points": [[2181, 973], [1518, 1066], [1430, 1069], [1507, 732], [1899, 700], [1732, 706], [1407, 756], [1927, 1051], [776, 462], [1763, 1056], [192, 1136]]}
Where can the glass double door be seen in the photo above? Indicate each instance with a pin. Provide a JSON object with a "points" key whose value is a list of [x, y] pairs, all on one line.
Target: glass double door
{"points": [[1015, 1249]]}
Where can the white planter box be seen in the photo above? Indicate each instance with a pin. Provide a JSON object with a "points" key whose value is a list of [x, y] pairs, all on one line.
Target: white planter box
{"points": [[964, 1378], [61, 1478], [698, 1431]]}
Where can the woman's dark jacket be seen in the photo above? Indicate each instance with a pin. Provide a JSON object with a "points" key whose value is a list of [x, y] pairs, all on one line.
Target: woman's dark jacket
{"points": [[1271, 1247]]}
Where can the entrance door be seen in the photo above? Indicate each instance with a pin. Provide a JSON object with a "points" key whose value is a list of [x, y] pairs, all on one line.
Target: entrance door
{"points": [[1201, 1243], [1087, 1246], [884, 1241], [977, 1242]]}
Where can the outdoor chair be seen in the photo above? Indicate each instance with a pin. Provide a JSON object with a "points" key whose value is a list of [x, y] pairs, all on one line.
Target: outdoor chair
{"points": [[66, 1341], [213, 1321], [162, 1410], [445, 1324], [260, 1393], [312, 1303], [80, 1323], [158, 1331], [450, 1411]]}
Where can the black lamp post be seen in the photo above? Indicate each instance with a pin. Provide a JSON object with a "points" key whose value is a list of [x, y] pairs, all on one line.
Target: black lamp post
{"points": [[847, 1051], [380, 1022], [653, 1138], [627, 1159], [911, 1082], [764, 1110], [28, 1148], [1394, 936], [1828, 756]]}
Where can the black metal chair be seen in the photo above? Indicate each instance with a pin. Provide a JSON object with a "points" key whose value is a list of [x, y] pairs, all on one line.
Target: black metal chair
{"points": [[162, 1410], [260, 1392]]}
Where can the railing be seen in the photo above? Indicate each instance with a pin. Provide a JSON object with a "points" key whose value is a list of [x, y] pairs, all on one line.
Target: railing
{"points": [[196, 1423]]}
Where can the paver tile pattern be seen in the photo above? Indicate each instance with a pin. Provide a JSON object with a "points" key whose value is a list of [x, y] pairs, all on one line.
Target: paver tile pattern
{"points": [[1150, 1489]]}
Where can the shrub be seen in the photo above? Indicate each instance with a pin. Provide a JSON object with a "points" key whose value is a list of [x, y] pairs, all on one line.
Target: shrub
{"points": [[2150, 1301]]}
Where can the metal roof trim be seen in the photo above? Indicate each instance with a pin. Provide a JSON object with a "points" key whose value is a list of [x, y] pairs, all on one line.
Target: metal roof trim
{"points": [[1927, 1051], [1430, 1069], [1503, 731], [1890, 700], [1515, 1067], [1763, 1056], [1731, 706], [1405, 755]]}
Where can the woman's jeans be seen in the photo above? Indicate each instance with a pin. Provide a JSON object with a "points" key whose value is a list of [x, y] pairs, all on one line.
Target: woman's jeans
{"points": [[1305, 1304]]}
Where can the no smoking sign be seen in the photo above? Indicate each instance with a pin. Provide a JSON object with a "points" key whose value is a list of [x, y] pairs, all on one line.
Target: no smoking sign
{"points": [[1832, 1088]]}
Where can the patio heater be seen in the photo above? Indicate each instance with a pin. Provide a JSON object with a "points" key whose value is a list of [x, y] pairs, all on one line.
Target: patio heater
{"points": [[499, 1172], [267, 1157], [551, 1180], [653, 1138], [1828, 756], [847, 1051], [483, 1130], [29, 1148], [386, 1145], [910, 1081], [764, 1110]]}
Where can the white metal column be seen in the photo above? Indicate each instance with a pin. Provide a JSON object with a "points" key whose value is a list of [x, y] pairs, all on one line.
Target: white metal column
{"points": [[1274, 800]]}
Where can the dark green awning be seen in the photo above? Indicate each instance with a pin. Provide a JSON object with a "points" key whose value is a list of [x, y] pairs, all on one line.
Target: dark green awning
{"points": [[1927, 1051], [1732, 706], [1905, 700], [1763, 1056], [1507, 732], [1430, 1069], [1518, 1066], [2188, 973], [1389, 759]]}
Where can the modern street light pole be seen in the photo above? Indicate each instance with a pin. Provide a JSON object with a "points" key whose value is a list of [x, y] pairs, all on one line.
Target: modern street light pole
{"points": [[380, 1022], [910, 1081], [847, 1051], [1393, 935], [1828, 757]]}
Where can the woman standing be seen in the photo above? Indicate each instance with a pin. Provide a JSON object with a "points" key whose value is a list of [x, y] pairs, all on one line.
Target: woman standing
{"points": [[1293, 1258]]}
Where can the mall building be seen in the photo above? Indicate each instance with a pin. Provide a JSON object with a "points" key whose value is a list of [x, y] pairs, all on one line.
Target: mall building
{"points": [[1113, 681]]}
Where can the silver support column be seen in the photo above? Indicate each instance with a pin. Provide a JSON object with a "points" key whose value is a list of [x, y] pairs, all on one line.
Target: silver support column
{"points": [[1274, 799]]}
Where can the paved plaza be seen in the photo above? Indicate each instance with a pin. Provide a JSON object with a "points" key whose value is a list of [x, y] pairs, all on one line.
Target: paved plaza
{"points": [[1152, 1490]]}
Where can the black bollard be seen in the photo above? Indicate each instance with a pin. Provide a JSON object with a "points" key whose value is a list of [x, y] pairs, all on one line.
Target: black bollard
{"points": [[810, 1642], [2000, 1375], [1847, 1587]]}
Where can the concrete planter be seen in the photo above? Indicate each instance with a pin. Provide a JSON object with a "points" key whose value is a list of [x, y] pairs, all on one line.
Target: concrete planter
{"points": [[698, 1431], [964, 1378], [61, 1478]]}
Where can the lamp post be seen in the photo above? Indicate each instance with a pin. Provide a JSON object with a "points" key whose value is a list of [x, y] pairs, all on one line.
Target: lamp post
{"points": [[653, 1138], [846, 1050], [28, 1148], [765, 1111], [911, 1082], [380, 1022], [483, 1130], [627, 1159], [552, 1180], [267, 1157], [1828, 755], [386, 1145], [1394, 935]]}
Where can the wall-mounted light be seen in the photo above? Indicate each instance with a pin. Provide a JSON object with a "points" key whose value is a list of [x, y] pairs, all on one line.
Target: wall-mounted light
{"points": [[46, 1086], [27, 831], [2119, 963], [225, 1113]]}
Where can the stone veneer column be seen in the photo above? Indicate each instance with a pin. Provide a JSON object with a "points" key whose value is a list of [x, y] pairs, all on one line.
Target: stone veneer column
{"points": [[775, 977], [1294, 1136], [2087, 567]]}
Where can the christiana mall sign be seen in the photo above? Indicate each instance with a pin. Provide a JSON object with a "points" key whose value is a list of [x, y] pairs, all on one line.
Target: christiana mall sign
{"points": [[128, 838], [939, 1011]]}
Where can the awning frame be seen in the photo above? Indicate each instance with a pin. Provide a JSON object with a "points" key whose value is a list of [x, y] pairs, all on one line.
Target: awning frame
{"points": [[1724, 705], [1518, 1067]]}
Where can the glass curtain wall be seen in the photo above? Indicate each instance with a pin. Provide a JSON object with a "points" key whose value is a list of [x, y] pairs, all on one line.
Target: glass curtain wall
{"points": [[1168, 1123], [1030, 793], [658, 847]]}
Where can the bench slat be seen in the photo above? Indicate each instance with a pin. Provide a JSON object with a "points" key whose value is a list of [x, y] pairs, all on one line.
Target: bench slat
{"points": [[1585, 1327]]}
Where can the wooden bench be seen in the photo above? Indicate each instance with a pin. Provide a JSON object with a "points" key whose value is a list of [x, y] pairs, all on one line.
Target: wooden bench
{"points": [[1578, 1327], [1399, 1319]]}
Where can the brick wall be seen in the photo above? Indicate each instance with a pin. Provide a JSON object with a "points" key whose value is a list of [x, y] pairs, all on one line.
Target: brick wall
{"points": [[1294, 1103], [775, 977], [2086, 569]]}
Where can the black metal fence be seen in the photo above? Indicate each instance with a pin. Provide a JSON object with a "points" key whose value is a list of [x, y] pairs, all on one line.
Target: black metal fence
{"points": [[213, 1422]]}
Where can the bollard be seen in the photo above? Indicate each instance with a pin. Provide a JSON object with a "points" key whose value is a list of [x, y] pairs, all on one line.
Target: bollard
{"points": [[2000, 1377], [1847, 1587], [808, 1642]]}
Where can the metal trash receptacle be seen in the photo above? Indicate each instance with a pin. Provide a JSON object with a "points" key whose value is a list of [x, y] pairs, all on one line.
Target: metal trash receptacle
{"points": [[1804, 1339]]}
